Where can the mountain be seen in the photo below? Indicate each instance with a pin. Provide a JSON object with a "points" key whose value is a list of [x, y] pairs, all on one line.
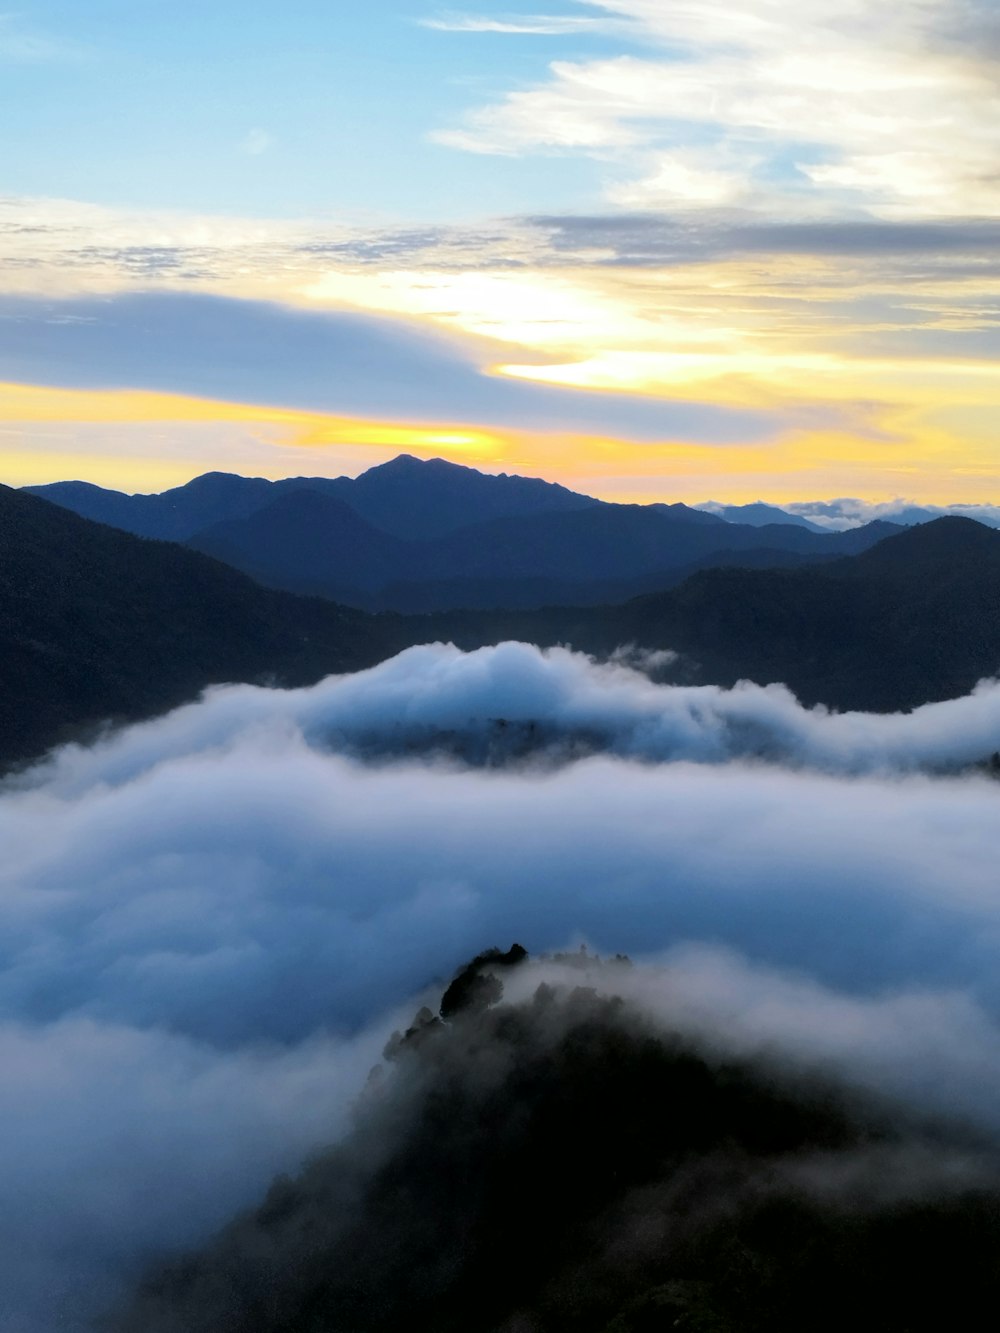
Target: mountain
{"points": [[915, 618], [408, 498], [314, 543], [309, 542], [97, 624], [758, 515], [423, 499], [562, 1163], [174, 515], [421, 536]]}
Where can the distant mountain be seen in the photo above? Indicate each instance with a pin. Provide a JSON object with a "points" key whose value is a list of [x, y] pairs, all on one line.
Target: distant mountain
{"points": [[915, 618], [758, 515], [309, 542], [423, 499], [97, 624], [834, 515], [693, 515], [408, 498], [174, 515], [314, 543]]}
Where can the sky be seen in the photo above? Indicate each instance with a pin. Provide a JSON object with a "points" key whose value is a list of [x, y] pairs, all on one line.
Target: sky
{"points": [[652, 250]]}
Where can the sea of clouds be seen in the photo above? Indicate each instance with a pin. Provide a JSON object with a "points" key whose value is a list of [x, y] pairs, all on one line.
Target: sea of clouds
{"points": [[210, 923], [838, 515]]}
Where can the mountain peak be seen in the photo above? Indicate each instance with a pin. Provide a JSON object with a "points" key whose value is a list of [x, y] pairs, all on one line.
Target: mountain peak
{"points": [[211, 483], [409, 463], [947, 538]]}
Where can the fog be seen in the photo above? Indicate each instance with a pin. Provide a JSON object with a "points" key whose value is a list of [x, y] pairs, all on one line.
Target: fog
{"points": [[210, 922], [514, 701]]}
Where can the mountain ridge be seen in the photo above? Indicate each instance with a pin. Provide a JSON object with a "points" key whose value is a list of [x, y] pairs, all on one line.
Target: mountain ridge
{"points": [[98, 625]]}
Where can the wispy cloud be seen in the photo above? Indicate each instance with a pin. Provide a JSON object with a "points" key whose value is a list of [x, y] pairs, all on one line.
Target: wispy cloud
{"points": [[257, 142], [896, 111], [535, 25]]}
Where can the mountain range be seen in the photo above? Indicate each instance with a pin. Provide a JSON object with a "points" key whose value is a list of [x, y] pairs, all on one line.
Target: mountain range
{"points": [[97, 624], [419, 536], [913, 619]]}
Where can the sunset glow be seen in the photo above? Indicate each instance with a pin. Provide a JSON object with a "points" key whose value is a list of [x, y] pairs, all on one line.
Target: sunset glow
{"points": [[740, 215]]}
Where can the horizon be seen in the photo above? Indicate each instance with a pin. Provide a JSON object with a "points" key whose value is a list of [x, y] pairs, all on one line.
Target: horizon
{"points": [[417, 816], [880, 508], [589, 241]]}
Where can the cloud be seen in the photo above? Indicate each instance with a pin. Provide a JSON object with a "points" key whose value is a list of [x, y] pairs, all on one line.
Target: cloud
{"points": [[652, 239], [257, 142], [838, 515], [829, 109], [346, 363], [208, 922], [496, 704], [537, 25], [108, 1132]]}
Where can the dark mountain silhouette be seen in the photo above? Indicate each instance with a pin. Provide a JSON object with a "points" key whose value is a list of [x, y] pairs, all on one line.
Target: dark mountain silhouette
{"points": [[758, 514], [562, 1165], [97, 624], [422, 499], [914, 619], [413, 535], [307, 542], [408, 497], [174, 515], [687, 511]]}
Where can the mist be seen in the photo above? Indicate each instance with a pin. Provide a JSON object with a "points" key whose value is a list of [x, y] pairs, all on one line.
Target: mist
{"points": [[515, 701], [210, 923]]}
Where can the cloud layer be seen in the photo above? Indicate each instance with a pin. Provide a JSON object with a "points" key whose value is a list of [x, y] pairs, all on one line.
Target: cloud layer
{"points": [[516, 701], [748, 105], [345, 363], [207, 923]]}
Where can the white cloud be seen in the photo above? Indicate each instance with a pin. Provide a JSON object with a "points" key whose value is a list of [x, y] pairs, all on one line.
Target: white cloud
{"points": [[867, 105], [535, 25], [678, 180], [207, 922], [438, 696], [838, 515]]}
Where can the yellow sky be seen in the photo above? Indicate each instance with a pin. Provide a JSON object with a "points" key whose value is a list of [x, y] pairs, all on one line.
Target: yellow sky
{"points": [[871, 368], [151, 441], [776, 219]]}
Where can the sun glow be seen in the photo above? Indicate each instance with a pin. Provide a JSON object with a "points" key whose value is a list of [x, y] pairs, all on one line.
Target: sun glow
{"points": [[135, 440]]}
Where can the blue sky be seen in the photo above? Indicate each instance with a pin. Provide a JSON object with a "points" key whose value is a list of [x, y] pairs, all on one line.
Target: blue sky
{"points": [[255, 108], [721, 211]]}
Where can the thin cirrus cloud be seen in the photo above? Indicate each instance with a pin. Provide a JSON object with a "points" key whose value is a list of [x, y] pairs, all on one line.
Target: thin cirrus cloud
{"points": [[208, 923], [350, 364], [526, 25], [890, 109], [257, 142]]}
